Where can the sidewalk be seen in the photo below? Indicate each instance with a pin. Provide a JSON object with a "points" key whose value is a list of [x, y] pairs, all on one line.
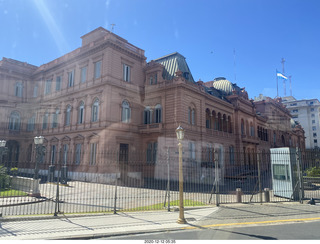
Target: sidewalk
{"points": [[86, 227]]}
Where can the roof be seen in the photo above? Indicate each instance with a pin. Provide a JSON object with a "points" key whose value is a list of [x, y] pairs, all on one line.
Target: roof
{"points": [[225, 86], [173, 63]]}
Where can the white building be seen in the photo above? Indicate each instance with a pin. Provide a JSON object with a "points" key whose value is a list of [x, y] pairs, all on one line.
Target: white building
{"points": [[307, 113]]}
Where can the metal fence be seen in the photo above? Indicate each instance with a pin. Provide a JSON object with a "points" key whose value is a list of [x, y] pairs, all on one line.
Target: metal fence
{"points": [[134, 181]]}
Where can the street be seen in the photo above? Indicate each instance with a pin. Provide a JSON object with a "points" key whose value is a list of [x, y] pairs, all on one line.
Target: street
{"points": [[287, 231]]}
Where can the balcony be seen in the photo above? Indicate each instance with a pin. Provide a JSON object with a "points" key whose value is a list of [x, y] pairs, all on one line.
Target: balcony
{"points": [[250, 139], [150, 128], [217, 133]]}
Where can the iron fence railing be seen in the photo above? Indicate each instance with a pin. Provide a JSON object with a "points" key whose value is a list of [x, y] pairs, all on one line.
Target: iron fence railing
{"points": [[131, 181]]}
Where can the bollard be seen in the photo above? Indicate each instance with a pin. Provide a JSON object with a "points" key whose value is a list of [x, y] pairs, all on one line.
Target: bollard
{"points": [[238, 194], [267, 194]]}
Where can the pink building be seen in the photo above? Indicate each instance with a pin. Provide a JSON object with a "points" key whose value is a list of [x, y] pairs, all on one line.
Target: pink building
{"points": [[104, 98]]}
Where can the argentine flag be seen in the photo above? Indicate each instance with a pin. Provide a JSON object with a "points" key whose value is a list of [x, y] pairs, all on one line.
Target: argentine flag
{"points": [[281, 75]]}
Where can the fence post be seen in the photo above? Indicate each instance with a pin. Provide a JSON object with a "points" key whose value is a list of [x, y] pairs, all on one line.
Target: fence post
{"points": [[259, 177], [298, 159], [57, 207], [168, 183], [216, 166], [115, 196]]}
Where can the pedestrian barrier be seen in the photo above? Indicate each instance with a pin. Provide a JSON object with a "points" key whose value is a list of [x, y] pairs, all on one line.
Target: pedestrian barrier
{"points": [[139, 182]]}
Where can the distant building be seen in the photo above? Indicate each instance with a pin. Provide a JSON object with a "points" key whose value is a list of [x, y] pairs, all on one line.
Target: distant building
{"points": [[307, 113], [103, 100]]}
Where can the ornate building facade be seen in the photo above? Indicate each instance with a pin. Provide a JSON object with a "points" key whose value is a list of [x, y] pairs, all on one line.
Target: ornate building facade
{"points": [[104, 97]]}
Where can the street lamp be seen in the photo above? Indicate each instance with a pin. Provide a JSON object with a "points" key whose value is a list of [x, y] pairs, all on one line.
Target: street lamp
{"points": [[3, 149], [38, 141], [180, 136]]}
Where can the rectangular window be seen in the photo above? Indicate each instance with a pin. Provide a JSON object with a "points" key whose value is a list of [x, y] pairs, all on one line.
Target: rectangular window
{"points": [[19, 90], [78, 153], [314, 134], [126, 73], [35, 91], [45, 122], [48, 87], [97, 69], [31, 124], [295, 111], [152, 152], [281, 172], [231, 155], [93, 153], [314, 128], [83, 77], [54, 120], [70, 78], [312, 115], [53, 154], [311, 109], [153, 80], [313, 121], [58, 83], [192, 151], [65, 153], [124, 153]]}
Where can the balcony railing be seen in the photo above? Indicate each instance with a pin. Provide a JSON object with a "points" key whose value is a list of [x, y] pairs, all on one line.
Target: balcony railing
{"points": [[151, 128]]}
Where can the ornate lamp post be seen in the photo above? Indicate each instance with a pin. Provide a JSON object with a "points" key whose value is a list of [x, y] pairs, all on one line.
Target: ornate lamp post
{"points": [[180, 136], [3, 149], [38, 141]]}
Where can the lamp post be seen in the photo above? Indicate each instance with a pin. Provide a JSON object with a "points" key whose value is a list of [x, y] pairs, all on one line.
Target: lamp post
{"points": [[180, 136], [3, 149], [38, 141]]}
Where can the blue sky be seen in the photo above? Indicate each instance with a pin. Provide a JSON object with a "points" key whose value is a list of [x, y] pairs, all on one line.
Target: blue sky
{"points": [[242, 40]]}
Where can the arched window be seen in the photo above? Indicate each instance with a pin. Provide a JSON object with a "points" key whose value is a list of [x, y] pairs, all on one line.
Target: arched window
{"points": [[95, 111], [251, 129], [220, 122], [242, 127], [247, 128], [191, 116], [214, 120], [158, 114], [125, 112], [229, 124], [14, 121], [225, 123], [147, 115], [68, 115], [81, 113], [208, 119]]}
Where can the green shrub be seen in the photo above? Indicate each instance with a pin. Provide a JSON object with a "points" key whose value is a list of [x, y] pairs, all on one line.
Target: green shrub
{"points": [[313, 172], [14, 171], [4, 178]]}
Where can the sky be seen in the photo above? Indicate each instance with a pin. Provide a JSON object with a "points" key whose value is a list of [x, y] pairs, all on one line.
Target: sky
{"points": [[241, 40]]}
